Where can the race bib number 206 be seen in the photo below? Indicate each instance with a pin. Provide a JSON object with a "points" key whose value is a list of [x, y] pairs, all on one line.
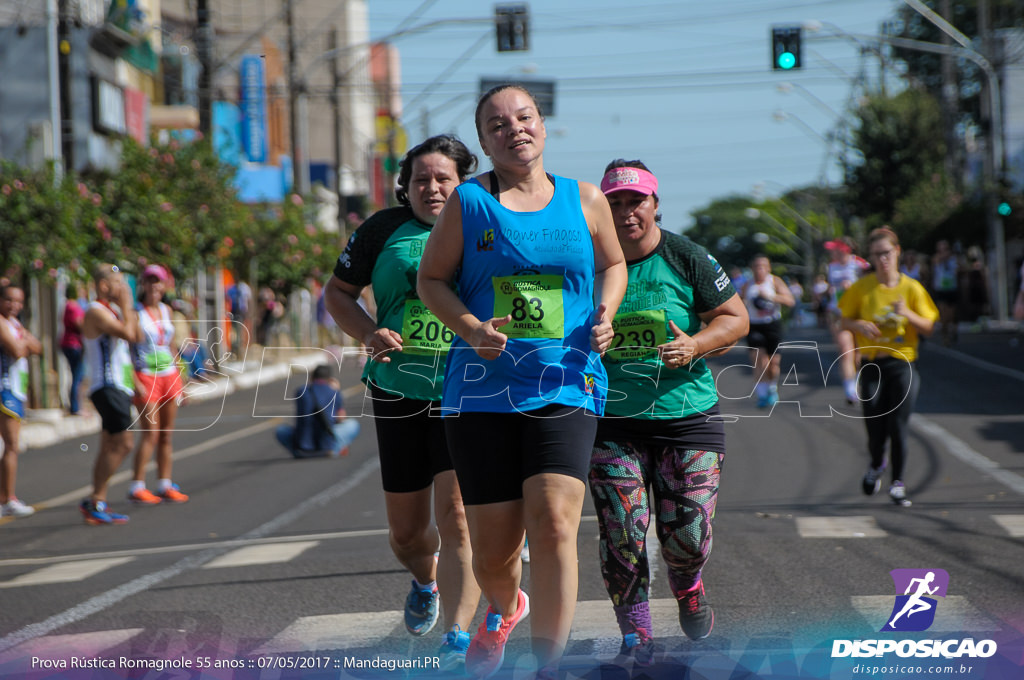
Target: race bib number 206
{"points": [[422, 332]]}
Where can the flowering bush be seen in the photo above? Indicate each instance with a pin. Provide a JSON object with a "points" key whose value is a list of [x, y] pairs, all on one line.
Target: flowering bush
{"points": [[172, 203]]}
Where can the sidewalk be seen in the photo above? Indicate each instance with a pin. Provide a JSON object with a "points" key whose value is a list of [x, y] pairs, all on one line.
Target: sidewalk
{"points": [[46, 427]]}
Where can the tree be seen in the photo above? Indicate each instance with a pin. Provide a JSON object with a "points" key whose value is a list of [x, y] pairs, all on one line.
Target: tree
{"points": [[898, 153], [283, 243], [45, 224], [736, 228], [170, 203]]}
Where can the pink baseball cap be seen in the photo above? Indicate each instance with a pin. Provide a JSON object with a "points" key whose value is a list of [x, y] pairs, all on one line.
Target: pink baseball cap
{"points": [[839, 245], [629, 179], [156, 271]]}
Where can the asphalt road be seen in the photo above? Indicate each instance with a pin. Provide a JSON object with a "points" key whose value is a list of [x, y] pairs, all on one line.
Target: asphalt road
{"points": [[275, 558]]}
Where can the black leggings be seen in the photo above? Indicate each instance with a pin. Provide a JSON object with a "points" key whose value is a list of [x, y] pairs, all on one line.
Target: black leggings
{"points": [[888, 392]]}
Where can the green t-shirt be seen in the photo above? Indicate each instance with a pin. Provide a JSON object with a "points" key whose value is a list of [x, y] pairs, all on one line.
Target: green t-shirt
{"points": [[678, 281], [385, 253]]}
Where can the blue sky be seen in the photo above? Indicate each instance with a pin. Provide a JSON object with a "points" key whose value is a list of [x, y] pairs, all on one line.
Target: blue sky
{"points": [[684, 86]]}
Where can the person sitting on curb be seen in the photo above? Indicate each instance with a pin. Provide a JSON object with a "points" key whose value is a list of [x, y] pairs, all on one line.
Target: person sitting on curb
{"points": [[321, 428]]}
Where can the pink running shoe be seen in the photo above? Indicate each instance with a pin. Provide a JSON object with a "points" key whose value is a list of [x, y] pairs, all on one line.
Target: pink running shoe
{"points": [[487, 650]]}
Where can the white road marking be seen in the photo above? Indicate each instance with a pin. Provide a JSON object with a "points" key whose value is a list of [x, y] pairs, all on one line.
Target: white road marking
{"points": [[1001, 371], [961, 450], [189, 547], [953, 613], [111, 597], [65, 572], [334, 631], [1014, 524], [268, 553], [88, 645], [859, 526]]}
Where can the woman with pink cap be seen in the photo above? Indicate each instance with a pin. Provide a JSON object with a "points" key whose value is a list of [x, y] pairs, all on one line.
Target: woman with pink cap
{"points": [[844, 268], [659, 447], [157, 389]]}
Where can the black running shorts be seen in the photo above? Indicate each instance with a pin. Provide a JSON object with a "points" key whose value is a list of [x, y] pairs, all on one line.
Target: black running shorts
{"points": [[494, 453], [410, 440], [114, 407], [765, 335]]}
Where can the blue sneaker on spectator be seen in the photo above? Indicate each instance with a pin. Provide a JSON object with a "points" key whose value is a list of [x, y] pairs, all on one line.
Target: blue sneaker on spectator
{"points": [[421, 609]]}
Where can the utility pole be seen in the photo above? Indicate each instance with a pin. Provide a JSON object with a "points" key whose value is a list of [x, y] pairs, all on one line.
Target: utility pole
{"points": [[995, 165], [204, 47], [53, 78], [332, 46], [65, 134], [293, 99]]}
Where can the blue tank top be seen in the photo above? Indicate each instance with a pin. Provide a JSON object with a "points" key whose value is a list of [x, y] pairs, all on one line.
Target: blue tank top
{"points": [[538, 267]]}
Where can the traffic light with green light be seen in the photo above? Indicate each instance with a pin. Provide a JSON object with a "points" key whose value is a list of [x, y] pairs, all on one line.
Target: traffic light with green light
{"points": [[786, 47], [1004, 209]]}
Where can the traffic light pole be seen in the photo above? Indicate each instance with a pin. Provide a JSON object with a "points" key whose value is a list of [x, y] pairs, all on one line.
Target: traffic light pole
{"points": [[994, 159]]}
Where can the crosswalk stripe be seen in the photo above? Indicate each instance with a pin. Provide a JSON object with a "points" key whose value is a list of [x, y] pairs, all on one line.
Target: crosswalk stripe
{"points": [[333, 631], [594, 622], [269, 553], [862, 526], [1014, 524], [953, 613], [65, 572], [89, 645]]}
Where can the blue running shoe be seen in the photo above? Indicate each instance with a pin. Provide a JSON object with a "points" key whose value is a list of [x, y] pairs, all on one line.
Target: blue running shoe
{"points": [[97, 513], [453, 649], [639, 646], [421, 609]]}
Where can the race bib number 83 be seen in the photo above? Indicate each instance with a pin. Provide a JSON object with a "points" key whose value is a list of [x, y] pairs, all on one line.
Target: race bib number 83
{"points": [[534, 302]]}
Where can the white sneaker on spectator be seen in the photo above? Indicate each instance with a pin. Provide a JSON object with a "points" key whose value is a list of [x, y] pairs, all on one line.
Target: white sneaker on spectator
{"points": [[15, 508]]}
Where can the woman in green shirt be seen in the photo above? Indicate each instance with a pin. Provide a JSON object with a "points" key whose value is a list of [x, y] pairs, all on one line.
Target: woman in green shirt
{"points": [[408, 348], [659, 430]]}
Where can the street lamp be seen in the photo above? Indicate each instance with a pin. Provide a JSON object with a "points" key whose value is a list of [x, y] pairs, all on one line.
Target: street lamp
{"points": [[805, 243], [787, 87]]}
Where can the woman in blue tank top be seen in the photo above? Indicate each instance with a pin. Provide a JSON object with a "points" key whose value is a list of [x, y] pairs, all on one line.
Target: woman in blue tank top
{"points": [[539, 274]]}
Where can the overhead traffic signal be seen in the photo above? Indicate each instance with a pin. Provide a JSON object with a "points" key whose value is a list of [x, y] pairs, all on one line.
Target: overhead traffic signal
{"points": [[512, 27], [786, 47]]}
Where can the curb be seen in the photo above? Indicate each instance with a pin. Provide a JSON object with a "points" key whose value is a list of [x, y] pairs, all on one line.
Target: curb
{"points": [[37, 433]]}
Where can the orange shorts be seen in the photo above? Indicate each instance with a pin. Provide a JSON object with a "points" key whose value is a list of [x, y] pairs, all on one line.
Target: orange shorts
{"points": [[156, 389]]}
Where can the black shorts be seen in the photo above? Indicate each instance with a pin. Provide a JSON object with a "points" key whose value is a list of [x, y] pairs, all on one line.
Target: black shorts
{"points": [[410, 440], [114, 407], [494, 453], [946, 297], [766, 336]]}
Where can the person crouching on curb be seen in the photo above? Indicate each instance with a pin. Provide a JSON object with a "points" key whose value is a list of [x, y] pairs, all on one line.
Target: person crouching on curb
{"points": [[321, 427]]}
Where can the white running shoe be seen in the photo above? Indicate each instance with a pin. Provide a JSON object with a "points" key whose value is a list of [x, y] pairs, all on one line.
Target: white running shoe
{"points": [[15, 508]]}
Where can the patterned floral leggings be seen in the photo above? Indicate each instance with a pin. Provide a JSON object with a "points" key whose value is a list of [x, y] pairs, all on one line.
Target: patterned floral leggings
{"points": [[684, 483]]}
